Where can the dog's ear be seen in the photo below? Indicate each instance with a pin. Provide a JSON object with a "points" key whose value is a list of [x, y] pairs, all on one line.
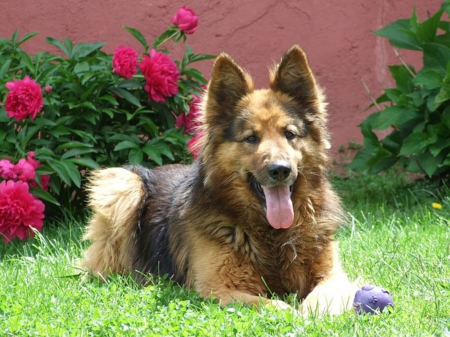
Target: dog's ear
{"points": [[229, 83], [294, 77]]}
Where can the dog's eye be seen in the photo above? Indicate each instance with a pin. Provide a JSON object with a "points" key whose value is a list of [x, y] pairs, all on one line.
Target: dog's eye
{"points": [[251, 139], [289, 135]]}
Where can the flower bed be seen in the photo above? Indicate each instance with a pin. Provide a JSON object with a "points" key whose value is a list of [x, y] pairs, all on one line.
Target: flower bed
{"points": [[63, 116]]}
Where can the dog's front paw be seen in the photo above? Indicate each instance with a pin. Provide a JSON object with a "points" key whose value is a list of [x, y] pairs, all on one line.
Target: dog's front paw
{"points": [[278, 304], [326, 300]]}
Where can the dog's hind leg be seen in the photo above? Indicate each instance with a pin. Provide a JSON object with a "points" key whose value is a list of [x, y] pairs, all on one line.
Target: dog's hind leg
{"points": [[115, 197]]}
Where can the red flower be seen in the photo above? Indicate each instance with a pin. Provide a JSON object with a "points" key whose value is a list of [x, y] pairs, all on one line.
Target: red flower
{"points": [[124, 61], [45, 180], [24, 170], [190, 121], [32, 161], [7, 170], [19, 210], [161, 76], [186, 20], [48, 89], [23, 99]]}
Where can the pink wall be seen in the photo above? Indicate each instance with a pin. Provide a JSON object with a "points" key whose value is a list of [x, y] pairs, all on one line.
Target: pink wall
{"points": [[336, 34]]}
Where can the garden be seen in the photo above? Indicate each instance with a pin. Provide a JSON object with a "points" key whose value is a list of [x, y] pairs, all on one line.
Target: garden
{"points": [[63, 115]]}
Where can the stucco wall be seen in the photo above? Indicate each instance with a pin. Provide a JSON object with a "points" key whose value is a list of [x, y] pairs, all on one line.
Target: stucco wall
{"points": [[336, 34]]}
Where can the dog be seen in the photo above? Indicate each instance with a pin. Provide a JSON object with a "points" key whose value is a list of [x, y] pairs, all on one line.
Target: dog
{"points": [[252, 219]]}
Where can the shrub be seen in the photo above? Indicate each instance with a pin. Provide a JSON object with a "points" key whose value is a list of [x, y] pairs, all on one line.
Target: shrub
{"points": [[418, 109], [88, 109]]}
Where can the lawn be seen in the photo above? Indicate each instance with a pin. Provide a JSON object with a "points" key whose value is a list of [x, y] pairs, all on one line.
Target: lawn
{"points": [[394, 238]]}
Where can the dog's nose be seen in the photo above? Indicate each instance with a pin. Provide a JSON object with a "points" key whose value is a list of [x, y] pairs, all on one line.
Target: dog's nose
{"points": [[279, 171]]}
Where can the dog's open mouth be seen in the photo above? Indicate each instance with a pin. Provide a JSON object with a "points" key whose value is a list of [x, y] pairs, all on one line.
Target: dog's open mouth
{"points": [[277, 202]]}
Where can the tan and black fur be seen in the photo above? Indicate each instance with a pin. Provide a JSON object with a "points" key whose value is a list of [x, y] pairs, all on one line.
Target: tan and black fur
{"points": [[206, 225]]}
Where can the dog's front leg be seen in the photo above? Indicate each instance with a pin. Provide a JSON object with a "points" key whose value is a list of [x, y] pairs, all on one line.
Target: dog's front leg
{"points": [[334, 294], [217, 272]]}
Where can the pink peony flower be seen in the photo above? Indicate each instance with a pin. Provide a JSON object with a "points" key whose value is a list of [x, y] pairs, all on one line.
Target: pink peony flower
{"points": [[48, 89], [125, 61], [161, 76], [32, 161], [190, 120], [23, 99], [186, 20], [24, 170], [45, 180], [19, 211], [7, 170]]}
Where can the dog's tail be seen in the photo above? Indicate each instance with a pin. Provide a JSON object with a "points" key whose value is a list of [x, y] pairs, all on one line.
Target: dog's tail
{"points": [[115, 197]]}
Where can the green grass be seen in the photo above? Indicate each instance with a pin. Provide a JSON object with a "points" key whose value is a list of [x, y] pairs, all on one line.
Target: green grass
{"points": [[394, 238]]}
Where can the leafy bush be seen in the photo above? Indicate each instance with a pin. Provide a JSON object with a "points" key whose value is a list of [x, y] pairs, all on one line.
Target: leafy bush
{"points": [[418, 112], [97, 110]]}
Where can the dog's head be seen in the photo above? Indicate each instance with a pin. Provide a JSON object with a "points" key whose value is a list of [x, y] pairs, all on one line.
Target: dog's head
{"points": [[268, 138]]}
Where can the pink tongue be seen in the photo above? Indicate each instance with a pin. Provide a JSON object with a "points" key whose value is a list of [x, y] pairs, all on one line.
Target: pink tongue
{"points": [[280, 212]]}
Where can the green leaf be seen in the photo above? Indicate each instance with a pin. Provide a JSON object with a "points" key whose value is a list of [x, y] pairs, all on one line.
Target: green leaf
{"points": [[437, 147], [409, 119], [77, 152], [402, 77], [194, 73], [69, 45], [87, 105], [73, 144], [81, 67], [44, 152], [26, 37], [152, 129], [168, 34], [131, 83], [126, 95], [73, 172], [382, 160], [84, 161], [153, 153], [201, 57], [430, 79], [426, 31], [43, 195], [415, 143], [135, 156], [27, 134], [442, 96], [15, 37], [360, 160], [400, 35], [46, 73], [393, 95], [4, 68], [26, 59], [84, 49], [164, 149], [387, 117], [138, 36], [109, 98], [429, 163], [436, 57], [58, 44], [126, 144], [60, 170]]}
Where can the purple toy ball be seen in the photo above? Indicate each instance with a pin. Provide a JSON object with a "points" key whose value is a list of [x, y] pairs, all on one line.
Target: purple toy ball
{"points": [[372, 299]]}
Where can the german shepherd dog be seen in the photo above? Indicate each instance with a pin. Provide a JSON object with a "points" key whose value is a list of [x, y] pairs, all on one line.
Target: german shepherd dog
{"points": [[252, 219]]}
